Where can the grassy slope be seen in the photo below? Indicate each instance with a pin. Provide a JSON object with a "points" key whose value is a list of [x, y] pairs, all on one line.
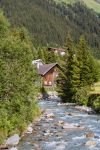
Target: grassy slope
{"points": [[96, 88], [90, 3], [99, 68]]}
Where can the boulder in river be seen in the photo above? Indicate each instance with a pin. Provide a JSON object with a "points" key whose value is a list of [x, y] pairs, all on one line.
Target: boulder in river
{"points": [[50, 115], [13, 140], [90, 135], [84, 109], [60, 123], [91, 144]]}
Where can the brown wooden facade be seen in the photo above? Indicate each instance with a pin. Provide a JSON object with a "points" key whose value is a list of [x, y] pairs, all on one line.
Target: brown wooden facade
{"points": [[50, 77]]}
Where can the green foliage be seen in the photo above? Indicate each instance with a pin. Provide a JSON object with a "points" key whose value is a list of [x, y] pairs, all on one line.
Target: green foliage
{"points": [[81, 96], [69, 82], [98, 66], [43, 54], [18, 92], [48, 56], [51, 57], [94, 102], [4, 24], [88, 69]]}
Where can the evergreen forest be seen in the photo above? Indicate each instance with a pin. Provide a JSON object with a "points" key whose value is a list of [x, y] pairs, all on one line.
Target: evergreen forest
{"points": [[48, 22]]}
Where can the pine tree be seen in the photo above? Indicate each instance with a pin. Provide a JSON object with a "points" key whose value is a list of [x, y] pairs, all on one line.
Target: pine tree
{"points": [[68, 81], [51, 57], [88, 71], [43, 54]]}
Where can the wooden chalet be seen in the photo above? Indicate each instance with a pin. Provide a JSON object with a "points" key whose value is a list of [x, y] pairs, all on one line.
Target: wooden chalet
{"points": [[49, 73], [58, 51]]}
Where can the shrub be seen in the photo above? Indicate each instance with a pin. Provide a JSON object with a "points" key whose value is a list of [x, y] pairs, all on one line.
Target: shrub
{"points": [[81, 96]]}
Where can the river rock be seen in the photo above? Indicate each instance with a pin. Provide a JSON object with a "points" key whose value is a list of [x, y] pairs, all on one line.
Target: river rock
{"points": [[60, 123], [90, 135], [29, 129], [84, 109], [70, 114], [47, 133], [13, 140], [69, 126], [91, 144], [72, 127], [13, 148], [51, 115], [66, 104]]}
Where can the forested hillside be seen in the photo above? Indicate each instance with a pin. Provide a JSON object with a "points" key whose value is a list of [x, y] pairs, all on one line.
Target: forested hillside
{"points": [[49, 23]]}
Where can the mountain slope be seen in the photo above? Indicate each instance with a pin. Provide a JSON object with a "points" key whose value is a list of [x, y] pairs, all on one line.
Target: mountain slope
{"points": [[48, 23], [93, 4]]}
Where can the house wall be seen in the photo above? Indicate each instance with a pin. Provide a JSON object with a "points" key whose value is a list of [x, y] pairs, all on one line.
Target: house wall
{"points": [[49, 78]]}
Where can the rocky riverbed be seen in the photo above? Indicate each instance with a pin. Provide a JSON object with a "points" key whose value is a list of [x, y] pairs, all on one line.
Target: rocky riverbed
{"points": [[62, 127]]}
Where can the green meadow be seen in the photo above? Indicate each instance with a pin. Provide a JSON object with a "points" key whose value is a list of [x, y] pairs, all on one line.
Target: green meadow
{"points": [[90, 3]]}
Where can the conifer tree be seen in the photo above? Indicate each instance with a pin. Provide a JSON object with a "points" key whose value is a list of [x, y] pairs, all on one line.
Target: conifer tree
{"points": [[43, 54], [68, 81], [51, 57], [88, 71]]}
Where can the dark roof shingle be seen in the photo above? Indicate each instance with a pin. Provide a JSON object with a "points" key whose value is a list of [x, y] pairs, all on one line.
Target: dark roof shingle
{"points": [[43, 69]]}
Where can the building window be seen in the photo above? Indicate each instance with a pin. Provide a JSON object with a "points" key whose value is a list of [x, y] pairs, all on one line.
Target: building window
{"points": [[50, 83], [45, 82]]}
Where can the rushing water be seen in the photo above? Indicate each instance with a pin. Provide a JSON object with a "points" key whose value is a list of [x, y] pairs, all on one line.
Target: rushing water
{"points": [[48, 136]]}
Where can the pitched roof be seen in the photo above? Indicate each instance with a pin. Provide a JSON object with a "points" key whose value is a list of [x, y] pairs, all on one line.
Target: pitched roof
{"points": [[45, 68]]}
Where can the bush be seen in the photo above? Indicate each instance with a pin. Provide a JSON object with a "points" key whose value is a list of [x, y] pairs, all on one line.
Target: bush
{"points": [[96, 104], [81, 96]]}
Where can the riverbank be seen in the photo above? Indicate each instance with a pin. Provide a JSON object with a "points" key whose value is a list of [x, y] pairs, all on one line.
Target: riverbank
{"points": [[13, 141], [94, 97]]}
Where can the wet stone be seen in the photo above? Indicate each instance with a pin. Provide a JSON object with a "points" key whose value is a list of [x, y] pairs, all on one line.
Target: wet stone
{"points": [[13, 140], [91, 144], [90, 135]]}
